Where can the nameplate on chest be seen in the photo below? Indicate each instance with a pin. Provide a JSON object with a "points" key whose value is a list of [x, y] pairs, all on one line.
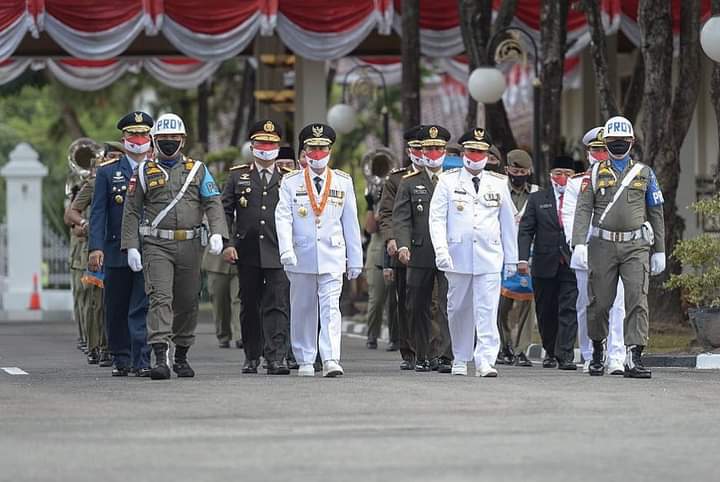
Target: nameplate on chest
{"points": [[545, 206], [420, 189]]}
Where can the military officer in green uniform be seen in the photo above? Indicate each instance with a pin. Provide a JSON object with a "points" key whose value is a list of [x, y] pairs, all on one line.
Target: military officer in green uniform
{"points": [[621, 205], [224, 290], [165, 205]]}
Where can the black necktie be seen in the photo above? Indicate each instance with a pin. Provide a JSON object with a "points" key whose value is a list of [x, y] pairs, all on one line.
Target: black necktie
{"points": [[434, 179], [476, 181], [318, 184], [264, 174]]}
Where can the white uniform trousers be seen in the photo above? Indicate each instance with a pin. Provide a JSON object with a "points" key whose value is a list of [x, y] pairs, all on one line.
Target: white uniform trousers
{"points": [[307, 292], [615, 341], [472, 311]]}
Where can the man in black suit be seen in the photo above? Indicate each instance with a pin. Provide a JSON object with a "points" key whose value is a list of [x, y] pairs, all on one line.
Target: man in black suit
{"points": [[554, 282], [249, 198], [415, 250]]}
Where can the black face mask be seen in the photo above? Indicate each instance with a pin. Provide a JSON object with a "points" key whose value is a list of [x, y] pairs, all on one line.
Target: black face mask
{"points": [[519, 181], [618, 148], [168, 147]]}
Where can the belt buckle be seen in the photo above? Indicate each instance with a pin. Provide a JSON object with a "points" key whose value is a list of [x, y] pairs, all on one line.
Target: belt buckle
{"points": [[616, 236], [180, 235]]}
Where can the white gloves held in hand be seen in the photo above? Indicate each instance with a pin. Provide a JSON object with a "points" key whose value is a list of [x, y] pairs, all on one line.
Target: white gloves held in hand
{"points": [[510, 270], [657, 263], [288, 259], [134, 260], [443, 261], [579, 259], [216, 244], [353, 273]]}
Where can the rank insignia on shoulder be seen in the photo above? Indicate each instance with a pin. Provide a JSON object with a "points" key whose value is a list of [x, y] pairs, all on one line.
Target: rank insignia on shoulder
{"points": [[497, 174], [107, 163], [342, 173], [239, 166], [399, 170], [449, 171], [579, 174], [189, 164], [414, 173]]}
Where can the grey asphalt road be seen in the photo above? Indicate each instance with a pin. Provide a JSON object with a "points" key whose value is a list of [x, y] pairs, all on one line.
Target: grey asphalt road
{"points": [[68, 421]]}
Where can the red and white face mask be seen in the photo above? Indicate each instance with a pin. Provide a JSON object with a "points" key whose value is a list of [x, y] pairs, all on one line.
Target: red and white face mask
{"points": [[475, 160], [559, 182], [137, 144], [267, 151], [597, 156], [416, 157], [317, 159], [434, 157]]}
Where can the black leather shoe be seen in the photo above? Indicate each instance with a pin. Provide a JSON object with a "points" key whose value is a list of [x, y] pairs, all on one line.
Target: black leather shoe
{"points": [[238, 344], [160, 371], [522, 361], [142, 372], [393, 346], [423, 366], [567, 365], [224, 344], [634, 367], [292, 364], [550, 362], [407, 365], [183, 370], [277, 368], [506, 356], [444, 365], [93, 357], [435, 364], [250, 366], [105, 359], [371, 343], [597, 364], [120, 371]]}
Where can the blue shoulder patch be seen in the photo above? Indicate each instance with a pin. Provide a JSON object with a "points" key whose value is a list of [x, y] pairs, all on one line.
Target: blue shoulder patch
{"points": [[653, 195], [208, 187]]}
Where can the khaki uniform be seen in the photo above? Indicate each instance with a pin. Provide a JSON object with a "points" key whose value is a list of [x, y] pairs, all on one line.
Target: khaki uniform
{"points": [[94, 313], [517, 313], [224, 292], [78, 246], [628, 259], [171, 267]]}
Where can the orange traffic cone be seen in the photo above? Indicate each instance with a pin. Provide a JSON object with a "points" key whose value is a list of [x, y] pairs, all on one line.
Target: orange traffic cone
{"points": [[35, 296]]}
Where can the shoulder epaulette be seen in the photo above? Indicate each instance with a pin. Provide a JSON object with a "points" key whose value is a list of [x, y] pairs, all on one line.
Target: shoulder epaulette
{"points": [[107, 163], [239, 166], [293, 172], [579, 174], [287, 170], [497, 174], [342, 173], [414, 173], [398, 170], [450, 171]]}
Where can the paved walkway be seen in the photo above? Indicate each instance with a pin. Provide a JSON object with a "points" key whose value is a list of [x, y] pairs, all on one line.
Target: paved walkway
{"points": [[68, 421]]}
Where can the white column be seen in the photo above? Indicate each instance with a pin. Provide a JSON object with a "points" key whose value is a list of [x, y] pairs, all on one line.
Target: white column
{"points": [[23, 174], [310, 94]]}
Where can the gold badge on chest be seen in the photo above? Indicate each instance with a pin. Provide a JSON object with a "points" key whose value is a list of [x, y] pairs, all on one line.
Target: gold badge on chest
{"points": [[302, 211], [243, 202], [118, 199], [460, 206]]}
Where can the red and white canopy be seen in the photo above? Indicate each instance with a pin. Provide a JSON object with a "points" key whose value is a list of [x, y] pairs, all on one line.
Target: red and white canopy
{"points": [[215, 30]]}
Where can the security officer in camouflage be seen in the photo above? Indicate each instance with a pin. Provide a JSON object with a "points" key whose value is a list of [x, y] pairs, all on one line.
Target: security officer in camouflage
{"points": [[622, 207], [167, 200]]}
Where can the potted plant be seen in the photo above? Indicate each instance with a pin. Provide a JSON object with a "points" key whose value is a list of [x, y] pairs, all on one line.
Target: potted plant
{"points": [[700, 280]]}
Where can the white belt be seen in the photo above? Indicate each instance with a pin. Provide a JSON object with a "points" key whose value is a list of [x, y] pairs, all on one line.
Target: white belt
{"points": [[616, 236], [171, 234]]}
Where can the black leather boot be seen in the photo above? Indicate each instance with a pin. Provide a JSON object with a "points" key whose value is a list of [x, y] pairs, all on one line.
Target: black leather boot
{"points": [[181, 367], [634, 367], [160, 371], [597, 364]]}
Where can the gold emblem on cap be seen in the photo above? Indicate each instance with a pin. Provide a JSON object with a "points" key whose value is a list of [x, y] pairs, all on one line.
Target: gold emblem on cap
{"points": [[269, 127], [317, 131], [433, 132], [601, 134], [479, 134], [138, 117]]}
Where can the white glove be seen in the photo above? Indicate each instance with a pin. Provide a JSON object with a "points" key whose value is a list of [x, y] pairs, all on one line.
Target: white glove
{"points": [[134, 260], [510, 270], [443, 261], [288, 259], [657, 263], [216, 244], [579, 259], [353, 273]]}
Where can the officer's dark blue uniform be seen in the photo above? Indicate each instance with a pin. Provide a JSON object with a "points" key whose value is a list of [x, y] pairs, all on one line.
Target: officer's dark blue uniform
{"points": [[126, 303]]}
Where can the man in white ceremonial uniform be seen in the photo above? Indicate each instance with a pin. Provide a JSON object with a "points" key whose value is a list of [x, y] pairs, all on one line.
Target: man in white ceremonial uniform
{"points": [[319, 240], [596, 152], [473, 230]]}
